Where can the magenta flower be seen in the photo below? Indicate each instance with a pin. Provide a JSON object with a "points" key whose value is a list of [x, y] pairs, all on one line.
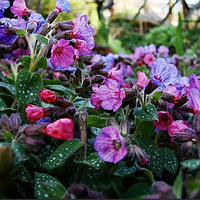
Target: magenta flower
{"points": [[62, 5], [19, 8], [152, 48], [149, 59], [116, 74], [164, 120], [62, 55], [82, 30], [177, 126], [111, 95], [162, 74], [193, 96], [110, 145], [142, 79], [194, 82]]}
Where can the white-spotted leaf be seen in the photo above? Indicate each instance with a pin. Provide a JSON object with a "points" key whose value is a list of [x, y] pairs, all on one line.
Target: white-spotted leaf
{"points": [[191, 164], [60, 155]]}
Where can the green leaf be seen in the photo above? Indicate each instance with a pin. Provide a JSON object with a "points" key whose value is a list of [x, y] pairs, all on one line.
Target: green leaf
{"points": [[93, 160], [23, 174], [146, 128], [61, 88], [2, 77], [148, 174], [48, 187], [8, 136], [20, 32], [138, 190], [125, 171], [192, 164], [156, 95], [155, 163], [42, 63], [9, 87], [96, 121], [20, 153], [28, 86], [41, 39], [147, 113], [177, 186], [59, 156], [2, 103], [170, 161]]}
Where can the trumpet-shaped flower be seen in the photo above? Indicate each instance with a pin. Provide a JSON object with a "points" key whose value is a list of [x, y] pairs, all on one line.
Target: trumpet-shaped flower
{"points": [[162, 74], [142, 79], [110, 145], [62, 55], [62, 5], [19, 8]]}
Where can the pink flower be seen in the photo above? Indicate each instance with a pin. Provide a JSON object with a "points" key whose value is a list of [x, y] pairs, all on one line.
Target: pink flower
{"points": [[163, 50], [149, 59], [193, 96], [164, 120], [142, 79], [62, 55], [82, 48], [19, 8], [177, 126], [111, 95], [61, 129], [47, 96], [116, 74], [34, 113], [94, 99], [110, 145]]}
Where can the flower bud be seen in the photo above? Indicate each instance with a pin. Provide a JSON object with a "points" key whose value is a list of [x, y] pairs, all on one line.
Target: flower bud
{"points": [[34, 113], [32, 130], [31, 27], [186, 147], [2, 48], [125, 127], [52, 16], [47, 96], [6, 123], [112, 122], [62, 102], [86, 83], [150, 87], [196, 124], [15, 120], [61, 129], [79, 74], [20, 42], [6, 160], [96, 79], [44, 29], [65, 25]]}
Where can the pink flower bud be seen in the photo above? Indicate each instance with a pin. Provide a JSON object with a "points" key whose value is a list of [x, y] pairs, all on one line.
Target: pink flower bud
{"points": [[47, 96], [34, 113], [61, 129]]}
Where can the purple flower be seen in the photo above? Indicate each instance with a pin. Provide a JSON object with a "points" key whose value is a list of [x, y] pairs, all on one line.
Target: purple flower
{"points": [[4, 4], [163, 50], [36, 20], [194, 82], [19, 8], [149, 59], [162, 74], [82, 30], [116, 74], [110, 145], [193, 96], [62, 55], [152, 48], [62, 5], [94, 99], [82, 48], [111, 95], [18, 53]]}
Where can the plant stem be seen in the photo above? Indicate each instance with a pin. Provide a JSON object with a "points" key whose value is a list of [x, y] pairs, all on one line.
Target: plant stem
{"points": [[141, 100], [73, 97], [158, 136], [31, 51], [82, 125], [122, 111], [32, 67], [135, 134], [14, 103]]}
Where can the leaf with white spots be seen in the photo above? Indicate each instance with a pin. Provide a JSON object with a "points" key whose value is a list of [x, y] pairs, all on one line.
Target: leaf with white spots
{"points": [[61, 88], [8, 87], [28, 86], [170, 161], [155, 163], [19, 151], [60, 155], [124, 171], [93, 160], [191, 164], [147, 113], [48, 187]]}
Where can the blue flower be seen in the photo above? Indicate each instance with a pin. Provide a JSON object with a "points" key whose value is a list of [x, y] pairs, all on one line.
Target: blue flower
{"points": [[4, 4], [63, 5], [162, 74], [46, 120]]}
